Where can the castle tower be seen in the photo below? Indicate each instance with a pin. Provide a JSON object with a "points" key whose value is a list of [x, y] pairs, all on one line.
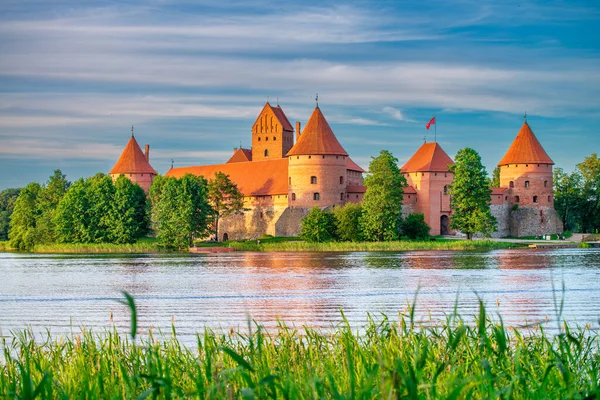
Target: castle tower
{"points": [[272, 134], [526, 173], [135, 165], [317, 166], [526, 170], [428, 173]]}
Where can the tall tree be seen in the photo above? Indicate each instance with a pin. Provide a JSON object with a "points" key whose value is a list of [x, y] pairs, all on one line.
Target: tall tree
{"points": [[495, 182], [470, 195], [590, 171], [382, 205], [8, 197], [24, 217], [224, 198], [49, 196], [129, 217], [100, 194], [180, 209], [72, 218], [567, 197]]}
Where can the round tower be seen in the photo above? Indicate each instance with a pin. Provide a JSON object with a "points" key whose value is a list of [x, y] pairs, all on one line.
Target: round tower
{"points": [[135, 165], [526, 170], [317, 166]]}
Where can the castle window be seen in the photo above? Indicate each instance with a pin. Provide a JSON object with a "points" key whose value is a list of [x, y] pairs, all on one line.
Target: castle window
{"points": [[445, 174], [535, 200], [445, 189], [516, 199], [293, 196], [435, 174], [315, 196], [511, 184], [341, 196], [309, 157], [290, 180], [422, 173], [526, 165], [259, 138], [549, 199], [297, 157], [506, 198], [323, 156], [341, 180], [357, 196], [274, 138], [545, 183], [336, 157], [267, 138], [313, 180], [526, 184], [266, 152], [347, 196]]}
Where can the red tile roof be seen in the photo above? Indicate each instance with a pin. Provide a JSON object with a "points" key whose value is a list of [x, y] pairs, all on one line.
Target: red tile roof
{"points": [[525, 149], [285, 123], [352, 166], [355, 189], [256, 178], [317, 138], [429, 158], [410, 190], [498, 191], [240, 155], [132, 161]]}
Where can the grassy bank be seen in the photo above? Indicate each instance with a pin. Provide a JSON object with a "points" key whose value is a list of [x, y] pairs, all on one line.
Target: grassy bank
{"points": [[388, 360], [143, 245], [4, 246], [403, 245]]}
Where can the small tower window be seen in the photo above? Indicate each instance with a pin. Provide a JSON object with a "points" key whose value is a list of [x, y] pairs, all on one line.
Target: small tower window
{"points": [[511, 184], [313, 180], [545, 183], [274, 138], [293, 196], [516, 199], [267, 138], [341, 196], [445, 189], [341, 180], [259, 138], [290, 180], [323, 157], [309, 157], [316, 196], [526, 184], [535, 199], [549, 199], [266, 152]]}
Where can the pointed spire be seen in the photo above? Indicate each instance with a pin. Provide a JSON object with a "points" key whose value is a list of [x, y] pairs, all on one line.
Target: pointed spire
{"points": [[526, 148], [132, 160], [317, 138], [430, 157]]}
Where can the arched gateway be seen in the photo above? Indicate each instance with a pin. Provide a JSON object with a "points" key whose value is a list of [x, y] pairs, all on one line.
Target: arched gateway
{"points": [[444, 225]]}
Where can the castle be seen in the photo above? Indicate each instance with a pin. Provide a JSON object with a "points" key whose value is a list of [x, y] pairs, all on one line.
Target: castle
{"points": [[286, 172]]}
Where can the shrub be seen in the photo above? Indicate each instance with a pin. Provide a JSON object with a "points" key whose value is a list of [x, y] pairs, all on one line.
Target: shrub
{"points": [[318, 226], [414, 227], [347, 222]]}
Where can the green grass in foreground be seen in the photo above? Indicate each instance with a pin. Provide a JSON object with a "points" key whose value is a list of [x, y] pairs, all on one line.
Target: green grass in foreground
{"points": [[403, 245], [143, 245], [388, 360]]}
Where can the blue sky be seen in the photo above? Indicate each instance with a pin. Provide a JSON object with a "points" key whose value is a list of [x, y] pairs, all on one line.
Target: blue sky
{"points": [[193, 75]]}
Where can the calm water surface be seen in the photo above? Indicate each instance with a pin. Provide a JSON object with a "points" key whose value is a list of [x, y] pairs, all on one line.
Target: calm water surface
{"points": [[63, 293]]}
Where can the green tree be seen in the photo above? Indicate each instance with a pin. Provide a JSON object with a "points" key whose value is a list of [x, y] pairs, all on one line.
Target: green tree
{"points": [[24, 217], [347, 222], [8, 197], [590, 202], [495, 182], [567, 197], [318, 226], [415, 227], [129, 217], [100, 194], [382, 204], [72, 218], [224, 198], [180, 209], [48, 199], [470, 195]]}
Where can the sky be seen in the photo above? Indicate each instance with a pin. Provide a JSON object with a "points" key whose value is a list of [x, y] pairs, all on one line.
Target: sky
{"points": [[192, 76]]}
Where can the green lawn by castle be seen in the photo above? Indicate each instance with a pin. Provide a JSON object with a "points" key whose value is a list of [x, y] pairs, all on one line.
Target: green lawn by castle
{"points": [[387, 360], [268, 244]]}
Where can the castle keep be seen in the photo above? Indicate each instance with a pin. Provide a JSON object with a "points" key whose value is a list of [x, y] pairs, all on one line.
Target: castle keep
{"points": [[288, 171]]}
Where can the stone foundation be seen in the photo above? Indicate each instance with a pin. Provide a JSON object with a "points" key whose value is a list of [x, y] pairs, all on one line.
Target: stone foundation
{"points": [[534, 221], [502, 214]]}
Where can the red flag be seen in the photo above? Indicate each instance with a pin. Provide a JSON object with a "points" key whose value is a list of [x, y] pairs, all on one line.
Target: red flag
{"points": [[430, 122]]}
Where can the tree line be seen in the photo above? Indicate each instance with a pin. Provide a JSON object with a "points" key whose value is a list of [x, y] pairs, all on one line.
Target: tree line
{"points": [[100, 210], [379, 216]]}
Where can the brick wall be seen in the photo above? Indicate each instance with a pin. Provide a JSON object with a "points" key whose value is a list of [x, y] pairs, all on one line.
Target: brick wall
{"points": [[330, 174]]}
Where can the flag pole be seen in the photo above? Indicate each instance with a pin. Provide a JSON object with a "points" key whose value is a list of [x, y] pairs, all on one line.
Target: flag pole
{"points": [[435, 129]]}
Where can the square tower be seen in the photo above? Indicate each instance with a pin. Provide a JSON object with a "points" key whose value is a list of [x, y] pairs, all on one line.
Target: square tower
{"points": [[272, 134]]}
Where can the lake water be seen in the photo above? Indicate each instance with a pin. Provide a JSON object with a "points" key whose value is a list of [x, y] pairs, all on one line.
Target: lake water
{"points": [[64, 292]]}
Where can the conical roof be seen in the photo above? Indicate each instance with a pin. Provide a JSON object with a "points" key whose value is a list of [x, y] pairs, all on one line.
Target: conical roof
{"points": [[526, 148], [132, 161], [429, 158], [317, 138]]}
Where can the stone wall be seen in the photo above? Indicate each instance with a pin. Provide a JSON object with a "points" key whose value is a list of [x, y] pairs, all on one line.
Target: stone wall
{"points": [[257, 221], [533, 221], [288, 224], [502, 214]]}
